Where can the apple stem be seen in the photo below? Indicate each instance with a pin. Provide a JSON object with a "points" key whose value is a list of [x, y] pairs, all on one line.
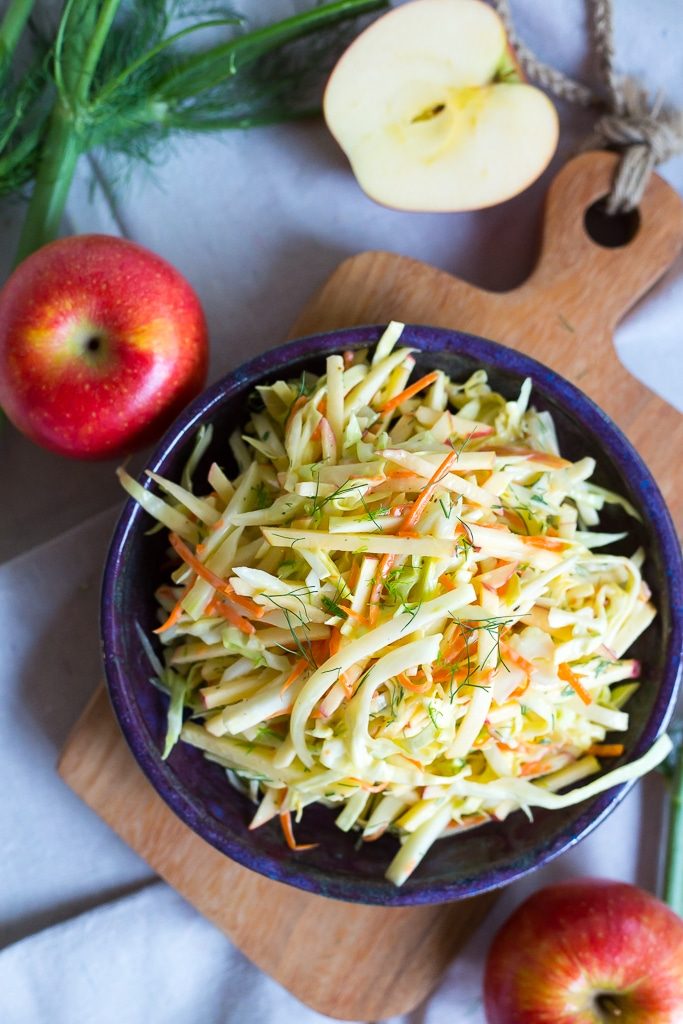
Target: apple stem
{"points": [[608, 1008], [673, 872]]}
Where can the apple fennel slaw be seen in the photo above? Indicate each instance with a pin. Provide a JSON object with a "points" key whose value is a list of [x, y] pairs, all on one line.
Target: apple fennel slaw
{"points": [[397, 609]]}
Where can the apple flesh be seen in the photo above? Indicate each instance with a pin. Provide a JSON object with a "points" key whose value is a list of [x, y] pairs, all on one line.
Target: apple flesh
{"points": [[431, 112], [102, 343], [587, 951]]}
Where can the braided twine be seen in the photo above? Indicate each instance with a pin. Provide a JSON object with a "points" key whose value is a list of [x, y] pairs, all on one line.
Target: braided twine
{"points": [[645, 133]]}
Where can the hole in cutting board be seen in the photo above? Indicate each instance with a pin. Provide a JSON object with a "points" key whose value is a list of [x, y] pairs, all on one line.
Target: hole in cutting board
{"points": [[610, 230]]}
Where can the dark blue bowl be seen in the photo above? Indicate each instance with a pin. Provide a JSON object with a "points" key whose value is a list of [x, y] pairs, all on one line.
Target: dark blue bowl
{"points": [[198, 790]]}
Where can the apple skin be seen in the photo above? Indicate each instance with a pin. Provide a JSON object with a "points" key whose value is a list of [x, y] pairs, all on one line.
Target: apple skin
{"points": [[102, 343], [573, 942]]}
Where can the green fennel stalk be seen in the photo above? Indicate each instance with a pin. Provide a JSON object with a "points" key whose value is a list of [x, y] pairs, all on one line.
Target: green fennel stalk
{"points": [[119, 79], [673, 872], [13, 22]]}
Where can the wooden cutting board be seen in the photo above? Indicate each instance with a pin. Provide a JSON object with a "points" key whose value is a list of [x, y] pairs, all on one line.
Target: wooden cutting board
{"points": [[365, 963]]}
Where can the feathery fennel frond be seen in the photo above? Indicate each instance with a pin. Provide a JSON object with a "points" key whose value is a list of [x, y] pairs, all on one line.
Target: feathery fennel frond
{"points": [[126, 74]]}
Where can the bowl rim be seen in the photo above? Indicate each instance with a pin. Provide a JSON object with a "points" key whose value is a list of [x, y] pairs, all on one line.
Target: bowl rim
{"points": [[547, 382]]}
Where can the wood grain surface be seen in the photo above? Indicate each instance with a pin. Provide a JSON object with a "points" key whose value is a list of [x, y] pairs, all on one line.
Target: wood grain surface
{"points": [[563, 315]]}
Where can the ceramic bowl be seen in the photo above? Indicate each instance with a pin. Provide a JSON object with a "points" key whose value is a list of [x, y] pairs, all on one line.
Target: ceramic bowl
{"points": [[198, 791]]}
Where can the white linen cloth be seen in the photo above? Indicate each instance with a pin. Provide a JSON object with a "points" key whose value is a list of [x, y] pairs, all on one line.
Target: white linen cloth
{"points": [[256, 221]]}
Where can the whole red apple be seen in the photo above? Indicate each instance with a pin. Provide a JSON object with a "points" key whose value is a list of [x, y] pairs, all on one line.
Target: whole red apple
{"points": [[102, 343], [588, 951]]}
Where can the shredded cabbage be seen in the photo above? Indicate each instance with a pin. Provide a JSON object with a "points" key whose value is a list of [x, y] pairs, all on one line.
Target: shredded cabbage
{"points": [[396, 609]]}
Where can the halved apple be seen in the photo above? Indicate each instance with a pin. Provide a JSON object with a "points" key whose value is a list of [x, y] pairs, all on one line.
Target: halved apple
{"points": [[432, 112]]}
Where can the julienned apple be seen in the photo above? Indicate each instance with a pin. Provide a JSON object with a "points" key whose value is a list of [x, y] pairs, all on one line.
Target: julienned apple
{"points": [[430, 108], [588, 951], [102, 343]]}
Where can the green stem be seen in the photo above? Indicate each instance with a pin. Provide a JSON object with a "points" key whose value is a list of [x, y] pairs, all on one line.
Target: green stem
{"points": [[114, 83], [62, 145], [11, 27], [94, 50], [8, 161], [59, 155], [673, 872], [208, 68]]}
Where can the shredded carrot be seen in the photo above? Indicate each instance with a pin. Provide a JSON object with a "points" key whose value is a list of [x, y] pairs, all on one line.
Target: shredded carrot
{"points": [[514, 655], [515, 518], [567, 676], [175, 614], [368, 787], [299, 667], [446, 582], [546, 543], [354, 615], [449, 675], [606, 749], [413, 515], [413, 389], [335, 641], [288, 832], [521, 689], [346, 684], [181, 548], [502, 745], [420, 503], [536, 768], [354, 575], [218, 607], [256, 611], [320, 651], [408, 683], [534, 456], [384, 568], [456, 648]]}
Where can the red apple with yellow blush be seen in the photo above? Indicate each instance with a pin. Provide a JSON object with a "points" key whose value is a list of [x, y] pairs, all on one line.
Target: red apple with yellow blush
{"points": [[587, 951], [102, 343]]}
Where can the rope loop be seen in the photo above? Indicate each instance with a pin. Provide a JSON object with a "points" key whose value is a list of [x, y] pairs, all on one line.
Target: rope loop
{"points": [[645, 134]]}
